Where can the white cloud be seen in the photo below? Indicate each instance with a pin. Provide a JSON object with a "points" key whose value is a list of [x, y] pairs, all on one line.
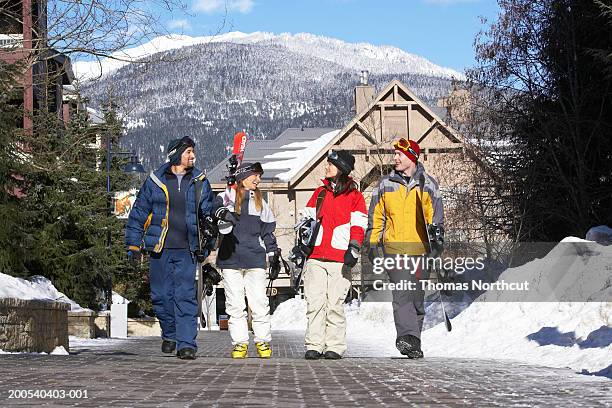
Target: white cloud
{"points": [[213, 6], [182, 25]]}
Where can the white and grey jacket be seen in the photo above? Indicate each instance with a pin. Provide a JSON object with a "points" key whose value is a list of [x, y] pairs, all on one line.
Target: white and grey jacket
{"points": [[251, 239]]}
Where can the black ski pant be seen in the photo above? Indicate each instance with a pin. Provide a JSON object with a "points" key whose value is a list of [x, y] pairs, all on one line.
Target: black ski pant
{"points": [[408, 306]]}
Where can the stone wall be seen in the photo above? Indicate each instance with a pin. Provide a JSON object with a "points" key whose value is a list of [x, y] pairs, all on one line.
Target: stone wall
{"points": [[148, 326], [102, 324], [88, 324], [33, 325], [81, 324]]}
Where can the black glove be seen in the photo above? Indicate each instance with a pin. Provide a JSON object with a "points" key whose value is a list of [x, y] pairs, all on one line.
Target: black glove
{"points": [[209, 231], [436, 234], [134, 257], [351, 256], [224, 214], [274, 264], [210, 278]]}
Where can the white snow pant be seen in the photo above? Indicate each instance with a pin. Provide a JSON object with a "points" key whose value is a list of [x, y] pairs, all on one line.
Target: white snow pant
{"points": [[254, 282], [325, 290]]}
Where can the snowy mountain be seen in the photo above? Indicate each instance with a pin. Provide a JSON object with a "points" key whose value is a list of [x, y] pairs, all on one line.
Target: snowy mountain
{"points": [[209, 88], [377, 59]]}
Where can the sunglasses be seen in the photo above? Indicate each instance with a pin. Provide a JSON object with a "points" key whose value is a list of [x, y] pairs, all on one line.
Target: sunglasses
{"points": [[404, 145], [332, 155]]}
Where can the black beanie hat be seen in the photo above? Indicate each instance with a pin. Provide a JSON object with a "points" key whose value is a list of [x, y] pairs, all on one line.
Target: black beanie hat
{"points": [[176, 148], [247, 169], [343, 160]]}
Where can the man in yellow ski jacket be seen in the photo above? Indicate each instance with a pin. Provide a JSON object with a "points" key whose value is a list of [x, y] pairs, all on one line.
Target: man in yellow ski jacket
{"points": [[402, 204]]}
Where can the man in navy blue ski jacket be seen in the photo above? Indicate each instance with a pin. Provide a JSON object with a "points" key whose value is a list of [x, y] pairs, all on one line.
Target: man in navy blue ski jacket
{"points": [[163, 222]]}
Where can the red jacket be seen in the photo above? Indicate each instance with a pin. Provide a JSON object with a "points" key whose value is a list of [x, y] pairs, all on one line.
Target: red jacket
{"points": [[343, 220]]}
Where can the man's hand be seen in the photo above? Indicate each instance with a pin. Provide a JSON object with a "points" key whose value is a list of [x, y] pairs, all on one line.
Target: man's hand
{"points": [[134, 257]]}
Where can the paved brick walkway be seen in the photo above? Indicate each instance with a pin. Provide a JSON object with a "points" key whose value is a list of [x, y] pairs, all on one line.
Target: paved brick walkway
{"points": [[135, 373]]}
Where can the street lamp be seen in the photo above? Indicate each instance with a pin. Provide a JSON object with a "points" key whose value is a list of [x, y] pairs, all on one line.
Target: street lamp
{"points": [[133, 166]]}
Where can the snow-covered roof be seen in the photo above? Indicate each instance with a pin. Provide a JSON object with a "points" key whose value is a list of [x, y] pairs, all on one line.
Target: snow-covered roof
{"points": [[282, 157], [95, 117]]}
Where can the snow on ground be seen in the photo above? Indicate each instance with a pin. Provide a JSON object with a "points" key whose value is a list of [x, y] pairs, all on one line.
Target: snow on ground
{"points": [[58, 351], [36, 287], [575, 335], [297, 158], [105, 343], [562, 334], [539, 328]]}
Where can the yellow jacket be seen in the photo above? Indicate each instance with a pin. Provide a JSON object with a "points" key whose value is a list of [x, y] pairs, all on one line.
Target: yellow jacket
{"points": [[395, 218]]}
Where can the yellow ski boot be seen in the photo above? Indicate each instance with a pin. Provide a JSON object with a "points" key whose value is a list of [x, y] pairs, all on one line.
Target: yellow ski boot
{"points": [[263, 349], [240, 351]]}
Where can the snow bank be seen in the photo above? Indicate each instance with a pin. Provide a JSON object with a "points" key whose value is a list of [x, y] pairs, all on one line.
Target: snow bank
{"points": [[561, 334], [575, 335], [540, 329], [58, 351], [37, 287]]}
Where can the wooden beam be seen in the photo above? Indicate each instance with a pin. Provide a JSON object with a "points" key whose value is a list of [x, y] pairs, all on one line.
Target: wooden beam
{"points": [[396, 103], [409, 120], [382, 122], [434, 125], [365, 132]]}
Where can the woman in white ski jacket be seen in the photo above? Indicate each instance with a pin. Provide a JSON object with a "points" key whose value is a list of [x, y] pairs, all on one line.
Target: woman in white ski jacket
{"points": [[242, 258]]}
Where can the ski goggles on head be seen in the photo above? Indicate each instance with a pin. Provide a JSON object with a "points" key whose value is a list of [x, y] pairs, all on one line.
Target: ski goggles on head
{"points": [[332, 155], [404, 145]]}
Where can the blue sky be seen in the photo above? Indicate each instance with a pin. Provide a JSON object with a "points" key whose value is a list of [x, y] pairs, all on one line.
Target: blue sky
{"points": [[440, 30]]}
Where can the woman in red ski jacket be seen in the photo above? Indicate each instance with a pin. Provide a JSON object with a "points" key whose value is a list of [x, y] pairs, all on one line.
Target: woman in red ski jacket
{"points": [[339, 208]]}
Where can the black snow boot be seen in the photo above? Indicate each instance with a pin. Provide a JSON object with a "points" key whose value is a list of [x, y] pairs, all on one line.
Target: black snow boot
{"points": [[410, 346], [168, 346], [332, 355], [312, 355], [186, 354]]}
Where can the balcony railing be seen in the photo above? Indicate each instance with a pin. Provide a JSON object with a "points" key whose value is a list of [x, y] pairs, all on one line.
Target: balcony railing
{"points": [[11, 40]]}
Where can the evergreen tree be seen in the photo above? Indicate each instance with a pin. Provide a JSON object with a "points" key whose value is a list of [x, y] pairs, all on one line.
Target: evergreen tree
{"points": [[12, 237], [66, 209], [551, 96]]}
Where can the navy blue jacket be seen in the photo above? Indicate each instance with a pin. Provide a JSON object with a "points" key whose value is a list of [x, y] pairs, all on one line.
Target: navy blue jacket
{"points": [[149, 215], [246, 246]]}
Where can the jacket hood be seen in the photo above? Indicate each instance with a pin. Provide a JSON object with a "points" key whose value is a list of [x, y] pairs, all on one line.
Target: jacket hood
{"points": [[327, 185], [397, 177]]}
